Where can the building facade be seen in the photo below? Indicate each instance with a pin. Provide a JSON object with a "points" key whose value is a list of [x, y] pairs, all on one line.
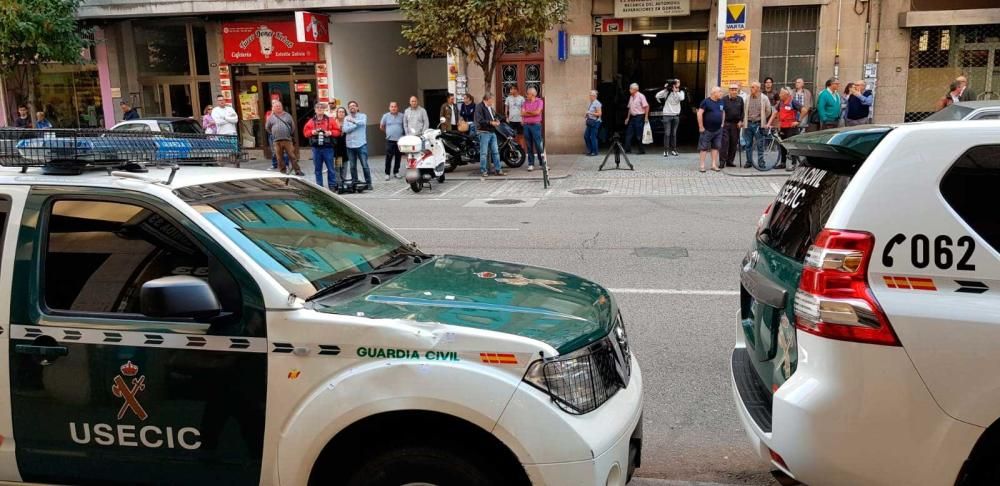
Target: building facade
{"points": [[170, 58]]}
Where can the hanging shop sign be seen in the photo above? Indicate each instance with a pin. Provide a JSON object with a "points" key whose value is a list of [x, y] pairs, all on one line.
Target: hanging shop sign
{"points": [[311, 27], [323, 92], [736, 16], [265, 42], [225, 83], [610, 25], [736, 57], [652, 8]]}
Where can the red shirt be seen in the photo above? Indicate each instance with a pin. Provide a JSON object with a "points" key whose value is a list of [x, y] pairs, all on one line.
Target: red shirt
{"points": [[327, 124], [788, 114]]}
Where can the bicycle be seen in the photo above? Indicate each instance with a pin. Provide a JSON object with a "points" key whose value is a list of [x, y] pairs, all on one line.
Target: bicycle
{"points": [[772, 151]]}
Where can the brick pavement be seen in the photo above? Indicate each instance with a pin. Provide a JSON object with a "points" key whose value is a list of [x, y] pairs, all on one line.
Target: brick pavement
{"points": [[654, 176]]}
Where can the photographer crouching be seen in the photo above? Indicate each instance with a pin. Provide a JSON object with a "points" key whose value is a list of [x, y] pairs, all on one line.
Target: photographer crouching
{"points": [[323, 132], [671, 96]]}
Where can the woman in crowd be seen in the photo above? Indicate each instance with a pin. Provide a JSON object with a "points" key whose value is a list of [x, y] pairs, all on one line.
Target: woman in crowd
{"points": [[207, 123], [468, 112]]}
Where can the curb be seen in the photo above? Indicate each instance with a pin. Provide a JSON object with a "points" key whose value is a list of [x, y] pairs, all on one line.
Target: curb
{"points": [[757, 173]]}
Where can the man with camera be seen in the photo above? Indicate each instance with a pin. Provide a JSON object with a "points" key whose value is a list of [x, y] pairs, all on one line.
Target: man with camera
{"points": [[671, 96], [322, 132]]}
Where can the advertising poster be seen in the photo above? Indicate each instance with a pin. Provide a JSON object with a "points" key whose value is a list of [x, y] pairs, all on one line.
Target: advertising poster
{"points": [[265, 42], [248, 106], [736, 58]]}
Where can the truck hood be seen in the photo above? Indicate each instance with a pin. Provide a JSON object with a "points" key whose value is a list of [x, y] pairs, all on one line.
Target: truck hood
{"points": [[559, 309]]}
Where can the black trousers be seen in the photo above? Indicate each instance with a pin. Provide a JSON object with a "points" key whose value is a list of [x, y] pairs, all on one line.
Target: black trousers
{"points": [[392, 153], [730, 143], [633, 131]]}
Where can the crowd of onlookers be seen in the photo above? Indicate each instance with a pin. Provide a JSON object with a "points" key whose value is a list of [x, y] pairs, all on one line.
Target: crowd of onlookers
{"points": [[743, 121]]}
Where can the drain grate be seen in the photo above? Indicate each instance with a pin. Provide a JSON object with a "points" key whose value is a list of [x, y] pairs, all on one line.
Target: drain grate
{"points": [[588, 192], [505, 202]]}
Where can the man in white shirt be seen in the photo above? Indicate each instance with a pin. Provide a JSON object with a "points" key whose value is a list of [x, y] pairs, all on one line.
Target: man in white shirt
{"points": [[225, 117], [513, 105]]}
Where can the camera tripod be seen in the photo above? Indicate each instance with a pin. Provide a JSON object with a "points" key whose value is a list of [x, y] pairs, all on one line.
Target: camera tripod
{"points": [[619, 151]]}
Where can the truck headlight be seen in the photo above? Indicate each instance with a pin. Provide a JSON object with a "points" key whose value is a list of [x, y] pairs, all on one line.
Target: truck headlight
{"points": [[581, 381]]}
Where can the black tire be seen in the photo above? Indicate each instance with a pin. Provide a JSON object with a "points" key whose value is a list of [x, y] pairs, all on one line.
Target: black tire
{"points": [[512, 155], [416, 186], [449, 163], [441, 178], [406, 464]]}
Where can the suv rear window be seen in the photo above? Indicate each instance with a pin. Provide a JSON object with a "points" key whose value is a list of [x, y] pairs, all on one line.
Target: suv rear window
{"points": [[969, 189], [828, 161]]}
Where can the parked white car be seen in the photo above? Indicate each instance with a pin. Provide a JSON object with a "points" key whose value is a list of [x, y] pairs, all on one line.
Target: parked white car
{"points": [[164, 124], [870, 312]]}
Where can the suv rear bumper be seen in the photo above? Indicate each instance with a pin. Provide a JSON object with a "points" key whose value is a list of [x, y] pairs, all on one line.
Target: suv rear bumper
{"points": [[855, 414]]}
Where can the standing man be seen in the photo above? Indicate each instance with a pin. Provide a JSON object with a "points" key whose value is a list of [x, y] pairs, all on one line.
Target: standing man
{"points": [[671, 96], [735, 111], [786, 118], [355, 126], [710, 114], [486, 126], [756, 122], [225, 117], [415, 119], [281, 127], [828, 105], [513, 106], [638, 115], [532, 116], [859, 103], [450, 114], [805, 99], [22, 120], [40, 121], [322, 132], [967, 93], [593, 117], [128, 113], [392, 125]]}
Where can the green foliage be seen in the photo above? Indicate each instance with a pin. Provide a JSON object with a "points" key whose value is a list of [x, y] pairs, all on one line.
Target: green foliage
{"points": [[478, 29], [39, 31]]}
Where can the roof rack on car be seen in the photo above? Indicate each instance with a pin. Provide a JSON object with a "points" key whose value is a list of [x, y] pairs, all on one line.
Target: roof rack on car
{"points": [[74, 151]]}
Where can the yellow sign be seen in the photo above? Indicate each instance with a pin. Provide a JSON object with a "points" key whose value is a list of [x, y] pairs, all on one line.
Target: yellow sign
{"points": [[736, 58], [248, 106]]}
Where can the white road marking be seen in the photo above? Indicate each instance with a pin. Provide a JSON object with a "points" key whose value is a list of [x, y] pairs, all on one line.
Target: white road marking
{"points": [[776, 188], [674, 292], [456, 186], [457, 229]]}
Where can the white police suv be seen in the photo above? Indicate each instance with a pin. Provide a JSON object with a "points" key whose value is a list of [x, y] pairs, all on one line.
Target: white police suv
{"points": [[870, 313], [208, 325]]}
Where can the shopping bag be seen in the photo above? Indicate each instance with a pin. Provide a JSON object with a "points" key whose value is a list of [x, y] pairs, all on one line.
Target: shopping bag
{"points": [[647, 134]]}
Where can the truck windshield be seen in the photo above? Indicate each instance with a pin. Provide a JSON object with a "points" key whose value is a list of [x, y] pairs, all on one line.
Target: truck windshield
{"points": [[303, 237]]}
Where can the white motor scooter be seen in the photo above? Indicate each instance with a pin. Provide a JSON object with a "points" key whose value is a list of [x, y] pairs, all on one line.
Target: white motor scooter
{"points": [[425, 158]]}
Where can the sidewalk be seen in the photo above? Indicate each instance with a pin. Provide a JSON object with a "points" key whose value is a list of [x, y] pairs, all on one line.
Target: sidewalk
{"points": [[559, 168]]}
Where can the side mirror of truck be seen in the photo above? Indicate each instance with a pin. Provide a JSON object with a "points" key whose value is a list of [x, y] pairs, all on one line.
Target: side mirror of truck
{"points": [[179, 296]]}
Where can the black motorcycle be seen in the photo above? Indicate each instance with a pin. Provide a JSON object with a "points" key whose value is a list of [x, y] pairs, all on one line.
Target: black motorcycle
{"points": [[463, 149]]}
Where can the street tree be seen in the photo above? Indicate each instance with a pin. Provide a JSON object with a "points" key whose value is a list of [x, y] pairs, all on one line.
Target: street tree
{"points": [[34, 32], [478, 29]]}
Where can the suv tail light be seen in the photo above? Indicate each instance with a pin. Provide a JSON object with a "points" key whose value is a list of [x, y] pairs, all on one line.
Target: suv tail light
{"points": [[834, 299], [763, 217]]}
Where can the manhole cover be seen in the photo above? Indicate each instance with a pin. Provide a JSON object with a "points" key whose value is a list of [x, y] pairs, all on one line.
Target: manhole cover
{"points": [[662, 252], [588, 192], [505, 202]]}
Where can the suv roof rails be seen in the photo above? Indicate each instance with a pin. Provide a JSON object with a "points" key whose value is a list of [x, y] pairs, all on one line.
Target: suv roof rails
{"points": [[74, 151]]}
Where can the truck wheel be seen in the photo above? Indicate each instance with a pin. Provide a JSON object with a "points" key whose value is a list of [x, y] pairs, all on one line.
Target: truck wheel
{"points": [[422, 465], [416, 186]]}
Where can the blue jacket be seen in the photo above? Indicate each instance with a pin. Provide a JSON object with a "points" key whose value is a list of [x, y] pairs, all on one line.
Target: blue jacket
{"points": [[357, 131], [858, 106]]}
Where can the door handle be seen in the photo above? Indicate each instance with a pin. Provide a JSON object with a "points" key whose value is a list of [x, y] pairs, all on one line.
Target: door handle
{"points": [[47, 352]]}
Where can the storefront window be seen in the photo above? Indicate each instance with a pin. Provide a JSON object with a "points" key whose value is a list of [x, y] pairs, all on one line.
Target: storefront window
{"points": [[198, 39], [162, 49], [70, 96]]}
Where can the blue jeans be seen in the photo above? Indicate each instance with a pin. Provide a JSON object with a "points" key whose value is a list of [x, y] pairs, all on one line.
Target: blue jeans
{"points": [[754, 136], [323, 157], [590, 137], [533, 140], [488, 145], [634, 131], [359, 154]]}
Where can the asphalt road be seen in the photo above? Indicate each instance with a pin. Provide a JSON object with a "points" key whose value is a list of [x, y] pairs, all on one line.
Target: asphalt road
{"points": [[672, 262]]}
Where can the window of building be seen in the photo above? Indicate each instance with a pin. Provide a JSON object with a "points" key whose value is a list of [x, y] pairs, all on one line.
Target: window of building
{"points": [[288, 213], [162, 49], [101, 253], [788, 45]]}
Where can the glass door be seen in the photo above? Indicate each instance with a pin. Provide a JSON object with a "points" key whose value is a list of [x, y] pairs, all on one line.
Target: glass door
{"points": [[179, 100]]}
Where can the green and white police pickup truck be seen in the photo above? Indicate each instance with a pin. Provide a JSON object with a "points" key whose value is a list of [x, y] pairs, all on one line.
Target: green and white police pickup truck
{"points": [[240, 327]]}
